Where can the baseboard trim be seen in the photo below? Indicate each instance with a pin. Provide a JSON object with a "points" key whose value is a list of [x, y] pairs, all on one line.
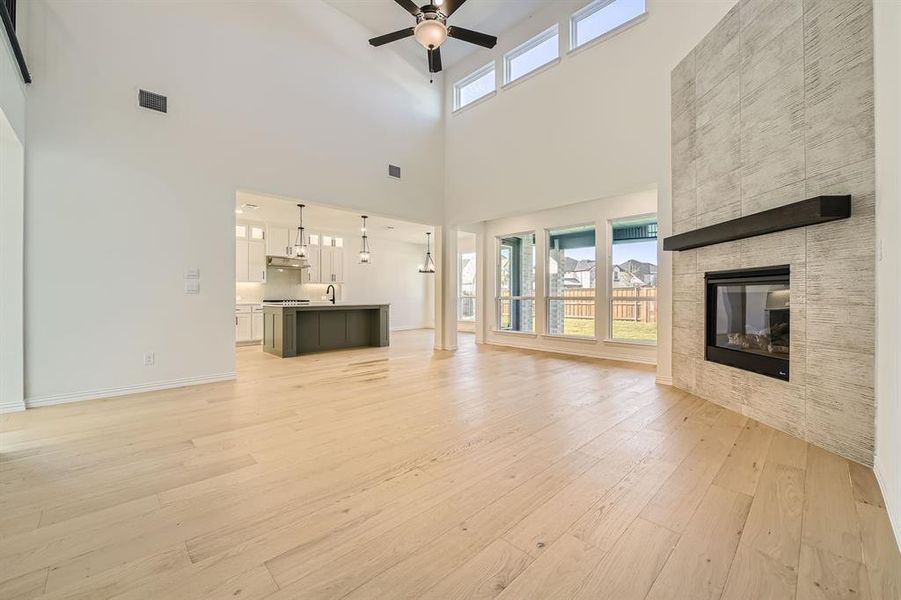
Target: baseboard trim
{"points": [[893, 515], [664, 380], [573, 353], [14, 406], [126, 390], [410, 328]]}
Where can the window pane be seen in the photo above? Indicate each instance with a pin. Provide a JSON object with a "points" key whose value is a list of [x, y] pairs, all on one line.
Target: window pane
{"points": [[573, 317], [241, 231], [595, 23], [633, 274], [467, 291], [521, 62], [472, 90], [516, 282], [516, 314], [572, 281]]}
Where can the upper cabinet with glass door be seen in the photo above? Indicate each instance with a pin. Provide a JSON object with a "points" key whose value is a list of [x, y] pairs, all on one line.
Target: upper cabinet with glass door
{"points": [[250, 253]]}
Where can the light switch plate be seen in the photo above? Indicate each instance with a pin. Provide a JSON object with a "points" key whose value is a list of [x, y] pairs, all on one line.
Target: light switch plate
{"points": [[192, 286], [192, 274]]}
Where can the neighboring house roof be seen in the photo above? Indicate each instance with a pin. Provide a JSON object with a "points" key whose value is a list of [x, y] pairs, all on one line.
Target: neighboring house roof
{"points": [[571, 265], [639, 267]]}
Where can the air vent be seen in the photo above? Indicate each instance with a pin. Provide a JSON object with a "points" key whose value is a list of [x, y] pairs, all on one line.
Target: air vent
{"points": [[156, 102], [394, 171]]}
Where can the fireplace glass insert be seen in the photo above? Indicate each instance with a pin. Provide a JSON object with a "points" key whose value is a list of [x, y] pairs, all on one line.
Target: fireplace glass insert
{"points": [[748, 320]]}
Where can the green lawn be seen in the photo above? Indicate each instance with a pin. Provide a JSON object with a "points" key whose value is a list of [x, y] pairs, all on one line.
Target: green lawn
{"points": [[631, 330], [622, 330]]}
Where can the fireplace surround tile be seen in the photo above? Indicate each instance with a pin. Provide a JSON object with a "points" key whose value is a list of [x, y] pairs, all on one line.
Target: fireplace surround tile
{"points": [[848, 327], [762, 21], [804, 129], [721, 257], [789, 246], [774, 198], [759, 63], [717, 54]]}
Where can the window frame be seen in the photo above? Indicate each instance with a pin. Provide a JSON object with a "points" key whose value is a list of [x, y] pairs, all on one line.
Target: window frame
{"points": [[588, 10], [552, 31], [547, 284], [609, 283], [498, 298], [471, 78]]}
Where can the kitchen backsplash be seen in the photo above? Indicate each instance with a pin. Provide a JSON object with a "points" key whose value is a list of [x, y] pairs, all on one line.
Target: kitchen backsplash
{"points": [[281, 285]]}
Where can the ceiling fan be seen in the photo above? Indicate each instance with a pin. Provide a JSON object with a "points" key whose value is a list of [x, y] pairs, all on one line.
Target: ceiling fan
{"points": [[431, 29]]}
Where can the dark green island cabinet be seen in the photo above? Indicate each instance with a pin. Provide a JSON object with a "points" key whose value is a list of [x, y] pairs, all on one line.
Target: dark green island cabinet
{"points": [[294, 330]]}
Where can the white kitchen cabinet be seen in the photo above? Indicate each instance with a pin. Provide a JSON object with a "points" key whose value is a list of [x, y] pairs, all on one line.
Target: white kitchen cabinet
{"points": [[243, 327], [250, 261], [250, 253], [256, 324], [331, 265], [278, 240], [242, 264], [314, 257], [256, 261]]}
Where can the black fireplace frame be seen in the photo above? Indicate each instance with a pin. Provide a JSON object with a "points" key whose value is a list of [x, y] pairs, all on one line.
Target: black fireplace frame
{"points": [[770, 366]]}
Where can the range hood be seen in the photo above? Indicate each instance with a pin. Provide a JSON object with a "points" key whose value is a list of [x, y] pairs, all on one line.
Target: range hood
{"points": [[280, 262]]}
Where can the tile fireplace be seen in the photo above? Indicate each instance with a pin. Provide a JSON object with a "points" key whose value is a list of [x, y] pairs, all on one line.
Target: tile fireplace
{"points": [[747, 322]]}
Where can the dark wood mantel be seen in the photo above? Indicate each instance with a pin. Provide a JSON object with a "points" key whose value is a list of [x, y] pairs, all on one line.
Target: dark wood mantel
{"points": [[812, 211]]}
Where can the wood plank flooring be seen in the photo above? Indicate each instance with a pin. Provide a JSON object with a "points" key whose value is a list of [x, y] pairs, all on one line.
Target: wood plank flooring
{"points": [[393, 473]]}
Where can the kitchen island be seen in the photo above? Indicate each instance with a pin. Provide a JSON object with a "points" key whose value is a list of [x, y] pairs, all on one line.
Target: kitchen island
{"points": [[295, 330]]}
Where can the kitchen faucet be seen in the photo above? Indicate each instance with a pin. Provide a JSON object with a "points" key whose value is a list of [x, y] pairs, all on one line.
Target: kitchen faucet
{"points": [[332, 288]]}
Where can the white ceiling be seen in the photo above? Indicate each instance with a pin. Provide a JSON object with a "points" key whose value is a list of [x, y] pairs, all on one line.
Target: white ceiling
{"points": [[318, 218], [487, 16]]}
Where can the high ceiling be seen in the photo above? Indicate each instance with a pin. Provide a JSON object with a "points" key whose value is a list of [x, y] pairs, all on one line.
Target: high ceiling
{"points": [[488, 16]]}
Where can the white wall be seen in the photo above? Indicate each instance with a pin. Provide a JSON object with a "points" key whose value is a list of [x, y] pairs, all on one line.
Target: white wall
{"points": [[599, 212], [392, 278], [887, 65], [12, 137], [12, 90], [604, 109], [285, 97]]}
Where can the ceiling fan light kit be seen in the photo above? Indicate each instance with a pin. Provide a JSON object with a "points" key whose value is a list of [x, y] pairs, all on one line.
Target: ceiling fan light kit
{"points": [[430, 33], [431, 30]]}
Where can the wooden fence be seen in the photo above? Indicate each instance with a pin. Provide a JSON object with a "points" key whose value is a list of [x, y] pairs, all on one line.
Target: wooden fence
{"points": [[629, 304]]}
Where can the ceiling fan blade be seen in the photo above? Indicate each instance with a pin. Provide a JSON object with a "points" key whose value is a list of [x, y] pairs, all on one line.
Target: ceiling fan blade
{"points": [[434, 60], [391, 37], [473, 37], [410, 7], [449, 6]]}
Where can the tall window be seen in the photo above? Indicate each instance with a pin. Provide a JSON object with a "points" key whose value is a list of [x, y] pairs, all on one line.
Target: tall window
{"points": [[516, 283], [467, 287], [633, 280], [602, 16], [537, 52], [572, 275], [475, 86]]}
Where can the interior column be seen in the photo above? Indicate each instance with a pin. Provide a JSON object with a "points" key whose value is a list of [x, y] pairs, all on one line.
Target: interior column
{"points": [[446, 288]]}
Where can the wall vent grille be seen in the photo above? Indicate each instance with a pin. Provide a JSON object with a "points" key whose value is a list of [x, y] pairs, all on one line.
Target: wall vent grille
{"points": [[153, 101], [394, 171]]}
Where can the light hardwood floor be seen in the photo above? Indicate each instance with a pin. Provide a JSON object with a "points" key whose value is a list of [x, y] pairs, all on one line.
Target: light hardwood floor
{"points": [[401, 473]]}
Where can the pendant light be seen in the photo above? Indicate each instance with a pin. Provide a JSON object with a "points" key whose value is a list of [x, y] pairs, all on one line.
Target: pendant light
{"points": [[365, 254], [428, 266], [300, 243]]}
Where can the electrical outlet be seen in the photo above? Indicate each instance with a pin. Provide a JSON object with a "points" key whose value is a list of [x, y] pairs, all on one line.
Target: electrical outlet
{"points": [[149, 359]]}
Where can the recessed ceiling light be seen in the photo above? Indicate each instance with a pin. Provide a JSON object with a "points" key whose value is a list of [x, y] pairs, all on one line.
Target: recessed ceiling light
{"points": [[389, 226], [238, 211]]}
